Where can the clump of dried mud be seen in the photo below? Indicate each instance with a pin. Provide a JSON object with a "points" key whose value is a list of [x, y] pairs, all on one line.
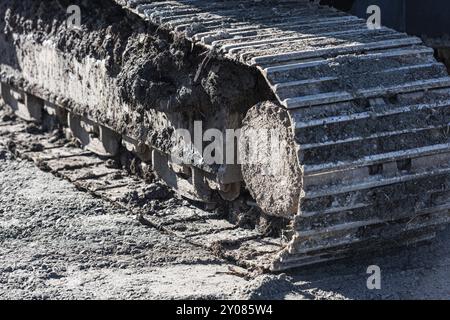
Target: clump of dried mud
{"points": [[270, 168], [150, 68]]}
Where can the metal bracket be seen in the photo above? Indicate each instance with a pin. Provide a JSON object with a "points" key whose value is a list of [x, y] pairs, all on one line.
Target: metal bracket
{"points": [[24, 105], [94, 137]]}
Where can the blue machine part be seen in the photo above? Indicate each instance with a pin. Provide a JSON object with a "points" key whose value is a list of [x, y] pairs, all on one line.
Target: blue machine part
{"points": [[427, 19]]}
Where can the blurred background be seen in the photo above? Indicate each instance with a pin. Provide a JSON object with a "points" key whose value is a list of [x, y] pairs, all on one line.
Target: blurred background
{"points": [[429, 20]]}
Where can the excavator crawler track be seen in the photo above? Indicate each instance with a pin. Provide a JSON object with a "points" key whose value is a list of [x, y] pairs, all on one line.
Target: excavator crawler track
{"points": [[369, 115]]}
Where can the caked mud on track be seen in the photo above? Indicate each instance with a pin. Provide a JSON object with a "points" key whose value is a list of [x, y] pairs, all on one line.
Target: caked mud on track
{"points": [[364, 113]]}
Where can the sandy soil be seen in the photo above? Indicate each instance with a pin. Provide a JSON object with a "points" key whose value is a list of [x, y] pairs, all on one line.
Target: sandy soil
{"points": [[60, 243]]}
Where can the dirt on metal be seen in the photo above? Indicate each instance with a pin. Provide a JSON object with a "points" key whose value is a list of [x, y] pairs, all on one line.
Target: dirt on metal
{"points": [[366, 157]]}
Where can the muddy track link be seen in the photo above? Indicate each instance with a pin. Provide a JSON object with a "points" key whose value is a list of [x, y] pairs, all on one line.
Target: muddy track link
{"points": [[369, 110]]}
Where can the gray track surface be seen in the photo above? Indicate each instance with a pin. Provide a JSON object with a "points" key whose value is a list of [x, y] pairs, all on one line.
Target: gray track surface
{"points": [[60, 243], [321, 64], [375, 150]]}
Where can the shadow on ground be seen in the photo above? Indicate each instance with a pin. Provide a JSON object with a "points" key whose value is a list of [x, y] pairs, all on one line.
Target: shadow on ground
{"points": [[420, 272]]}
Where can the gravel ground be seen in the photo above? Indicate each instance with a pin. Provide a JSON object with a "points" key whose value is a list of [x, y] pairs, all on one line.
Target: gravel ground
{"points": [[60, 243]]}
